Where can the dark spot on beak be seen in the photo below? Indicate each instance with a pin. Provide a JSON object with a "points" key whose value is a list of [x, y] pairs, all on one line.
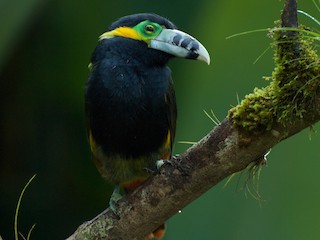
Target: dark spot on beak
{"points": [[192, 55], [185, 42], [177, 39], [194, 47]]}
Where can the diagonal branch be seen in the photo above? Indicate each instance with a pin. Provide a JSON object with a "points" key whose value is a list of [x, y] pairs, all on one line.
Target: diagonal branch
{"points": [[230, 147]]}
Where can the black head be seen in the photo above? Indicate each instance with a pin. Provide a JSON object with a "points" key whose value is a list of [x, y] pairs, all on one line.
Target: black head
{"points": [[134, 19], [152, 39]]}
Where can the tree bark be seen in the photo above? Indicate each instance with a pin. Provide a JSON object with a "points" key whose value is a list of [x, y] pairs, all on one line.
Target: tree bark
{"points": [[227, 149]]}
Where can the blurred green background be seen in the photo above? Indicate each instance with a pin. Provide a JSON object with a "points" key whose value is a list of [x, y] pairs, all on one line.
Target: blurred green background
{"points": [[45, 47]]}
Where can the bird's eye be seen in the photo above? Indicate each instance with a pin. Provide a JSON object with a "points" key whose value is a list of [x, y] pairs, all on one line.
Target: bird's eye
{"points": [[149, 29]]}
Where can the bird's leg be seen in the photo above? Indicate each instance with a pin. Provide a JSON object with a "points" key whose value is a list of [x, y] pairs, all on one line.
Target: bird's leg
{"points": [[115, 197]]}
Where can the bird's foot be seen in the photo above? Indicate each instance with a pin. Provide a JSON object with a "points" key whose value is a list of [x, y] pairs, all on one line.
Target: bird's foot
{"points": [[115, 197], [158, 164], [176, 157], [161, 162]]}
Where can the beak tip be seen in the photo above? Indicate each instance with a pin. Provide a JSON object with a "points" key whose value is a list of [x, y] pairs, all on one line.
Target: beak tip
{"points": [[204, 56]]}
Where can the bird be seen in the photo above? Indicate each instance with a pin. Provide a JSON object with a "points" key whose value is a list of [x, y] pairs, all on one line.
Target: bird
{"points": [[130, 102]]}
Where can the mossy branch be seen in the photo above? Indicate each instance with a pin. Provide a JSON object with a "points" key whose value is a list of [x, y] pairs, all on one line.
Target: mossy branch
{"points": [[290, 103]]}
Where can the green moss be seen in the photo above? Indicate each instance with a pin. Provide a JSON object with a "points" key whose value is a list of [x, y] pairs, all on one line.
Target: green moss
{"points": [[254, 112], [291, 91]]}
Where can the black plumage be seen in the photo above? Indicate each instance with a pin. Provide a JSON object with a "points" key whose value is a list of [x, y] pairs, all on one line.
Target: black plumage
{"points": [[130, 101]]}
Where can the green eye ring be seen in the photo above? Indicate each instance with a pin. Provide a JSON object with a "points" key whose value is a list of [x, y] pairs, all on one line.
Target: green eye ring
{"points": [[149, 29]]}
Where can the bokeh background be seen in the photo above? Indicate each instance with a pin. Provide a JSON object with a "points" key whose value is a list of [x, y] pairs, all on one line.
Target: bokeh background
{"points": [[45, 47]]}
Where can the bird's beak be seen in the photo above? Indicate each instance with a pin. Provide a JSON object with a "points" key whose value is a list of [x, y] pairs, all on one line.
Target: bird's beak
{"points": [[180, 44]]}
